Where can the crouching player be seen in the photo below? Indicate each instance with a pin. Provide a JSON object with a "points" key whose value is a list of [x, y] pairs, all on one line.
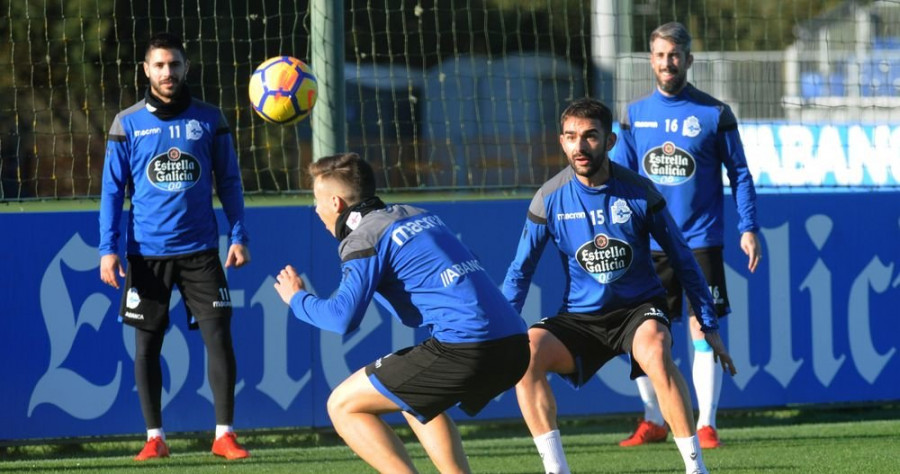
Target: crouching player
{"points": [[421, 272]]}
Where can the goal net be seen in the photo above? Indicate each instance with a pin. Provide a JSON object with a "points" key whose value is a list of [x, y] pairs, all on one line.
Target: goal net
{"points": [[456, 94]]}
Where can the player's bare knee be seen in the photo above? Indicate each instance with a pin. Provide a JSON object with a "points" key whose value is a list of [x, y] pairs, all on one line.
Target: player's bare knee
{"points": [[337, 403], [653, 356]]}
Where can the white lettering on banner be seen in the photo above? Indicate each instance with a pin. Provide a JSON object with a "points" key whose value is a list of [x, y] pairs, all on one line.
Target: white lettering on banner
{"points": [[276, 382], [781, 364], [818, 282], [801, 155], [82, 399], [60, 386], [876, 157], [888, 142], [797, 154], [762, 155], [876, 276]]}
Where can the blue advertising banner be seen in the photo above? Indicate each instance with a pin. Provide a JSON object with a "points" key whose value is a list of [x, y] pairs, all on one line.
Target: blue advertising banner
{"points": [[829, 156], [815, 324]]}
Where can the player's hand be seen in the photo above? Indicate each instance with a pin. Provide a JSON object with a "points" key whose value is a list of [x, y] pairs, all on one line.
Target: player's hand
{"points": [[289, 283], [238, 256], [720, 354], [109, 264], [751, 247]]}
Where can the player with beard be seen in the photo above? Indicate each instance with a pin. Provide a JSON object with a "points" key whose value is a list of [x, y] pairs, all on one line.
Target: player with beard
{"points": [[167, 151], [601, 217], [680, 138]]}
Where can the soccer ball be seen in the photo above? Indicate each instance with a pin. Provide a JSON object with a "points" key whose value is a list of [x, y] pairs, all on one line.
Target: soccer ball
{"points": [[283, 90]]}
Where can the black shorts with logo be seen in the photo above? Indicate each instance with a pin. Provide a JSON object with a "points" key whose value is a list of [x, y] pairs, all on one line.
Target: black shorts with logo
{"points": [[594, 339], [148, 288], [428, 379], [712, 264]]}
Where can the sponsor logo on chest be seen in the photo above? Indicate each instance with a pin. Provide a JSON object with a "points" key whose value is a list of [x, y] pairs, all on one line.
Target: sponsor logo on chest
{"points": [[668, 165], [605, 258], [174, 170]]}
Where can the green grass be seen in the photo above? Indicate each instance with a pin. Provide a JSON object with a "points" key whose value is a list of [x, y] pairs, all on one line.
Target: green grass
{"points": [[845, 440]]}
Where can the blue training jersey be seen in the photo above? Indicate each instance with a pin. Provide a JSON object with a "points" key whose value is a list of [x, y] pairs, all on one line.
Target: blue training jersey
{"points": [[168, 166], [680, 143], [413, 265], [603, 237]]}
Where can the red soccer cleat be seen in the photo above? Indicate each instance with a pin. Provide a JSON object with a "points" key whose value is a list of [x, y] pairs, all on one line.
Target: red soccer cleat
{"points": [[228, 447], [153, 449], [646, 432], [709, 438]]}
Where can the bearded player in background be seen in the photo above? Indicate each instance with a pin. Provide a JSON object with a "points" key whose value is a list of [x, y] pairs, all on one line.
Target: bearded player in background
{"points": [[680, 137], [168, 150]]}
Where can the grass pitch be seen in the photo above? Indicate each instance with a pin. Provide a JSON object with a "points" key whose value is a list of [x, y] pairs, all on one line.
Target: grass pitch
{"points": [[846, 440]]}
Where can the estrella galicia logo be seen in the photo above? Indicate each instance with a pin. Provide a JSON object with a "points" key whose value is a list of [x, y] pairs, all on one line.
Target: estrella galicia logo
{"points": [[669, 165], [173, 170], [605, 258]]}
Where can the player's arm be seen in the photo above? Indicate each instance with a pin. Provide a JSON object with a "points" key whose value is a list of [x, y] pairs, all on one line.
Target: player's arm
{"points": [[116, 176], [669, 237], [528, 253], [343, 311], [731, 149], [666, 232], [228, 188]]}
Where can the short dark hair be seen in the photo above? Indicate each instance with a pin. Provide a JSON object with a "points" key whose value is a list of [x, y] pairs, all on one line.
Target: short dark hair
{"points": [[166, 40], [674, 32], [349, 169], [588, 108]]}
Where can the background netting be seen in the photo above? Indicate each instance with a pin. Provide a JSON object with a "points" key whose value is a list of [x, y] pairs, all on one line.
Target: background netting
{"points": [[442, 94]]}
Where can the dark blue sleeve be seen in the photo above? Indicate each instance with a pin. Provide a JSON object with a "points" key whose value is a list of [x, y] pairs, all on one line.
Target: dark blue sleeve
{"points": [[116, 175], [528, 254], [731, 149], [666, 232], [625, 151], [228, 183], [343, 311]]}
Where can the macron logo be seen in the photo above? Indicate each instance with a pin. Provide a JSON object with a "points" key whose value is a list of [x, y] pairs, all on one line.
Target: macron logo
{"points": [[408, 230], [147, 131], [646, 124]]}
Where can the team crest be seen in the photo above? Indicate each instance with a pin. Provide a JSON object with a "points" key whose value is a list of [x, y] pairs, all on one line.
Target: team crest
{"points": [[132, 298], [620, 211], [354, 219], [691, 127], [193, 130]]}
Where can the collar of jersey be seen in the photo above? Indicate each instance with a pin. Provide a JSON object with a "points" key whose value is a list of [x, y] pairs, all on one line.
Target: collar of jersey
{"points": [[342, 229], [680, 97], [172, 109], [592, 189]]}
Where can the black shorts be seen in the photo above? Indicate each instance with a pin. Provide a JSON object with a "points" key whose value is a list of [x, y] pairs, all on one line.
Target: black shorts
{"points": [[428, 379], [594, 339], [148, 288], [713, 266]]}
